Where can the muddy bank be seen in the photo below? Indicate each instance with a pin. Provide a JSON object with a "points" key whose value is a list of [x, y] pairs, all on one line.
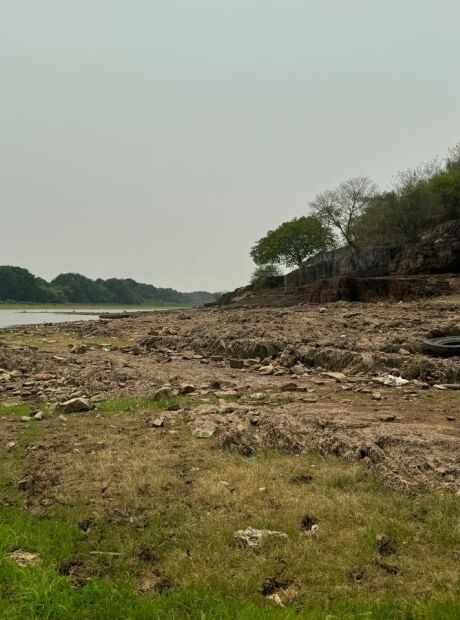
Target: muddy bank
{"points": [[300, 379]]}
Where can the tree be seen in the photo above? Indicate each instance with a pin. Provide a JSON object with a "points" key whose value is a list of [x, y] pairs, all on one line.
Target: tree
{"points": [[265, 276], [292, 242], [341, 208]]}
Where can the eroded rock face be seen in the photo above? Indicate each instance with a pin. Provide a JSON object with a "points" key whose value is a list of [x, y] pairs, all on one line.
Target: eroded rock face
{"points": [[437, 252]]}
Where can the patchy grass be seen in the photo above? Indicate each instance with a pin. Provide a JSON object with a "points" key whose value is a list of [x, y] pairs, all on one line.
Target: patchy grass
{"points": [[58, 340], [150, 403], [14, 409], [167, 505]]}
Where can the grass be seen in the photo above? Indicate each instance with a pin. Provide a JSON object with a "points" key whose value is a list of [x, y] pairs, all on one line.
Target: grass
{"points": [[169, 505], [59, 340], [14, 409]]}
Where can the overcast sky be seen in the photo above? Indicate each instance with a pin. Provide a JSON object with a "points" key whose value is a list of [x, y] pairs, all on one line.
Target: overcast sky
{"points": [[159, 139]]}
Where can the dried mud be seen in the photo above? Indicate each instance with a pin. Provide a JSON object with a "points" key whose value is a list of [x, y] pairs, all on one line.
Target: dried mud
{"points": [[281, 396]]}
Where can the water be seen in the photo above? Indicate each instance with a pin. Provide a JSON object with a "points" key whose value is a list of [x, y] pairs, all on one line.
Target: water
{"points": [[11, 318]]}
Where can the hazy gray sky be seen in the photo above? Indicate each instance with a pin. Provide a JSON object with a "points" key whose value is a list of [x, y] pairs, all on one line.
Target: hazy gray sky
{"points": [[159, 139]]}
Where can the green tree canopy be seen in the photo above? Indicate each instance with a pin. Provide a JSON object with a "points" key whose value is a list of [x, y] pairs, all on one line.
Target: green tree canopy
{"points": [[292, 242], [265, 276]]}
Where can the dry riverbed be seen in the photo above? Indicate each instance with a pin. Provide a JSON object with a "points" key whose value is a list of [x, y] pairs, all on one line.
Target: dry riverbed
{"points": [[194, 425]]}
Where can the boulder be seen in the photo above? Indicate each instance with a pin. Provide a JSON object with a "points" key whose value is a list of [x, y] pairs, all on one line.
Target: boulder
{"points": [[74, 405]]}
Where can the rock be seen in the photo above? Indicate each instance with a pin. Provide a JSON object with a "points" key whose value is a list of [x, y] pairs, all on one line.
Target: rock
{"points": [[395, 381], [267, 370], [253, 538], [288, 360], [322, 310], [235, 363], [292, 387], [298, 369], [79, 349], [156, 421], [165, 390], [376, 396], [309, 398], [38, 416], [62, 418], [186, 388], [188, 355], [338, 376], [25, 418], [74, 405], [204, 432], [448, 386], [450, 418], [10, 445], [43, 376], [226, 393], [24, 558], [387, 418]]}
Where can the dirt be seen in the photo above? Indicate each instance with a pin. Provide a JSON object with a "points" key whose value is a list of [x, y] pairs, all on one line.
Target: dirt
{"points": [[307, 382]]}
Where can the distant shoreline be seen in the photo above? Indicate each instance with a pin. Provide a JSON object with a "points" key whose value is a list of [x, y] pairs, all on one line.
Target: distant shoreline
{"points": [[84, 308]]}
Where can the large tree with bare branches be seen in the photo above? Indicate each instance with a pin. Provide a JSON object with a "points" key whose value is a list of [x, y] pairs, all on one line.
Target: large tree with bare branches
{"points": [[341, 208]]}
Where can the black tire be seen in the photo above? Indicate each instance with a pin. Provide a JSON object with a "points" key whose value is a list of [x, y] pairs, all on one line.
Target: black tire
{"points": [[447, 345]]}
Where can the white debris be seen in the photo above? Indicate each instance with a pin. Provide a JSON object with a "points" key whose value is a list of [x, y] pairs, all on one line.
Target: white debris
{"points": [[254, 538]]}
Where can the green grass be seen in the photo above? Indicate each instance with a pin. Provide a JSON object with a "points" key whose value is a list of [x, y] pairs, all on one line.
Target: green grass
{"points": [[15, 409], [166, 495], [151, 403]]}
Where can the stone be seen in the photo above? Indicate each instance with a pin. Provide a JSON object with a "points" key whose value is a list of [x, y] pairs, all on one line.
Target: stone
{"points": [[267, 370], [395, 381], [38, 416], [188, 355], [156, 421], [292, 387], [25, 418], [298, 369], [79, 349], [253, 538], [186, 388], [165, 390], [74, 405], [10, 445], [204, 432], [235, 363], [338, 376], [24, 558], [387, 418], [376, 396], [43, 376]]}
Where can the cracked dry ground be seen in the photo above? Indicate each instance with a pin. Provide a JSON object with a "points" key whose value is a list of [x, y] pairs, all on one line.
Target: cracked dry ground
{"points": [[256, 378]]}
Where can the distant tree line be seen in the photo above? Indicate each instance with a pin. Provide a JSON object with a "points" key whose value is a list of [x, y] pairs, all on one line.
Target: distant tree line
{"points": [[356, 214], [19, 285]]}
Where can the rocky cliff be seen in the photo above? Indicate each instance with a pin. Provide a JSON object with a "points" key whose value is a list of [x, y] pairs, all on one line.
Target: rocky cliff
{"points": [[437, 252]]}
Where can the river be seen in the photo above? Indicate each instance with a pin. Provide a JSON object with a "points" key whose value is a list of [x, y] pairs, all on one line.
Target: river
{"points": [[12, 318]]}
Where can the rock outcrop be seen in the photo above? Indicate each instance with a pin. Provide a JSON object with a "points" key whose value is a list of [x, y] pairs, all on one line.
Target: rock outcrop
{"points": [[438, 252]]}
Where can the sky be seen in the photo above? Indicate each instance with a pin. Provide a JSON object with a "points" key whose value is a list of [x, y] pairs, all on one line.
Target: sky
{"points": [[160, 139]]}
